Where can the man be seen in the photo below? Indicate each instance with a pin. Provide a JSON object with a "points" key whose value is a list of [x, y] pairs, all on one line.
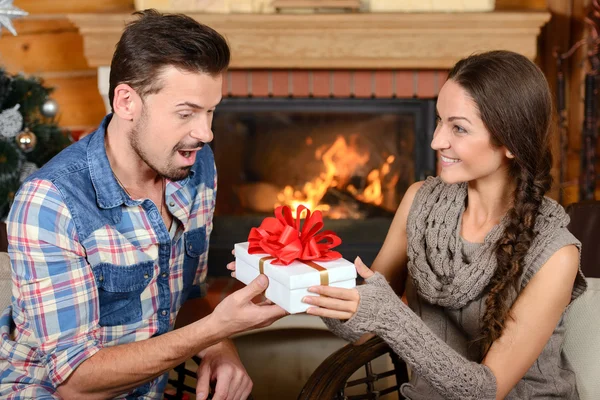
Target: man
{"points": [[110, 238]]}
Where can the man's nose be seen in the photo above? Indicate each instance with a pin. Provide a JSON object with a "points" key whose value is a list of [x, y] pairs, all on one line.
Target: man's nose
{"points": [[202, 132]]}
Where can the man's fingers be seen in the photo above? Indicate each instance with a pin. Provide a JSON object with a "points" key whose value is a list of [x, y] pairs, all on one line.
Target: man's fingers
{"points": [[226, 384], [203, 383], [237, 385], [231, 266], [254, 288], [246, 392]]}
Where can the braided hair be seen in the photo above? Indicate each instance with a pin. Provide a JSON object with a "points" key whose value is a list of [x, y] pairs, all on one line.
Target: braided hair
{"points": [[515, 104]]}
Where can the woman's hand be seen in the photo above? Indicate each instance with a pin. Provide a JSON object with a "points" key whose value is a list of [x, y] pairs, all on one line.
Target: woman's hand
{"points": [[338, 303]]}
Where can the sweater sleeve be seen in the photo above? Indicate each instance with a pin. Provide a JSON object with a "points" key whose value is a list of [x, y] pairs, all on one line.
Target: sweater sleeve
{"points": [[380, 311]]}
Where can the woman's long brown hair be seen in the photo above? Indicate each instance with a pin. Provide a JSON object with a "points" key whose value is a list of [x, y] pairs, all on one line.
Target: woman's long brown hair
{"points": [[515, 105]]}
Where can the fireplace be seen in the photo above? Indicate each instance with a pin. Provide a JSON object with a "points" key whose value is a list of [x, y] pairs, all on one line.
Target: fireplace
{"points": [[351, 158], [327, 63]]}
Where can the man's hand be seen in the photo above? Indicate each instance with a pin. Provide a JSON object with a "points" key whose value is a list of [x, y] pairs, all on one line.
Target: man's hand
{"points": [[237, 313], [221, 363]]}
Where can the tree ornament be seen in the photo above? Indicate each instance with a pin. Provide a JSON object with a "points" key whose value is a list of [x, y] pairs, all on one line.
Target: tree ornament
{"points": [[50, 108], [27, 169], [26, 140], [11, 122], [7, 13]]}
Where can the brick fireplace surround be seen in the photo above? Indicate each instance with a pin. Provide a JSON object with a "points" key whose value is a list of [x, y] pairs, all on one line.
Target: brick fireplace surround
{"points": [[334, 83], [361, 55]]}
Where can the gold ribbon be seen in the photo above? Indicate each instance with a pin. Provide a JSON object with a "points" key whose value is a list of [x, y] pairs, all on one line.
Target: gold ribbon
{"points": [[261, 263], [323, 274]]}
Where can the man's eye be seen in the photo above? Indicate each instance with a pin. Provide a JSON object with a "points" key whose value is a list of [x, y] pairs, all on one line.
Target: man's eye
{"points": [[184, 115], [438, 120]]}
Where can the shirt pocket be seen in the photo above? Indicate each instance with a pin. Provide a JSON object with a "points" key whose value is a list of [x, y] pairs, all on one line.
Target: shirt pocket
{"points": [[119, 291], [195, 246]]}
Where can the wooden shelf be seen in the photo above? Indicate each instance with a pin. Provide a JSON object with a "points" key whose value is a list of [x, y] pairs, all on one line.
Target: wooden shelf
{"points": [[357, 41]]}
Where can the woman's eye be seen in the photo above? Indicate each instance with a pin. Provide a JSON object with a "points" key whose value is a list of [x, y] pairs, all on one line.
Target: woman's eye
{"points": [[438, 120], [459, 129]]}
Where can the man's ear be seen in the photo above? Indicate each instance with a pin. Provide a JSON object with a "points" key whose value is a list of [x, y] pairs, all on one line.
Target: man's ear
{"points": [[125, 102]]}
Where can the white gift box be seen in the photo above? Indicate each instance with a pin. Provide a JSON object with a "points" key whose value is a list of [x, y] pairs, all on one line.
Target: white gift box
{"points": [[288, 284]]}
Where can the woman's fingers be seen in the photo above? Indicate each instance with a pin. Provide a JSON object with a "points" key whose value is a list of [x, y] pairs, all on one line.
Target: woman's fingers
{"points": [[337, 293], [323, 312], [362, 269], [331, 303]]}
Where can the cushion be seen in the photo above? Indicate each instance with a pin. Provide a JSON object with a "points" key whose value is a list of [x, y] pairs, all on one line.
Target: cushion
{"points": [[582, 340], [5, 281]]}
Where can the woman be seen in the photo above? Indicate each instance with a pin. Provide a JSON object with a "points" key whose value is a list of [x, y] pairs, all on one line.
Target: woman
{"points": [[491, 265]]}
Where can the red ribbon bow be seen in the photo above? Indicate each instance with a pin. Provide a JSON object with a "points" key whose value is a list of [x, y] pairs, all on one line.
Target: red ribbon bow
{"points": [[282, 237]]}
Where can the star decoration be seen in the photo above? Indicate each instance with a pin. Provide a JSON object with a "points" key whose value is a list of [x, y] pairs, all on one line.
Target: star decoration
{"points": [[7, 13]]}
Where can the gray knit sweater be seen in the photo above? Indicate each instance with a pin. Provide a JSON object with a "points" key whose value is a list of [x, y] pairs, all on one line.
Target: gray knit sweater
{"points": [[446, 295]]}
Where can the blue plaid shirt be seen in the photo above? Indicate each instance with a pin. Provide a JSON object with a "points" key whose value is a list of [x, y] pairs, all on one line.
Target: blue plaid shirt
{"points": [[92, 268]]}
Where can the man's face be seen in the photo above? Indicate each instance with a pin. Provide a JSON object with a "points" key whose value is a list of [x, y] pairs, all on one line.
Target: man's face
{"points": [[176, 122]]}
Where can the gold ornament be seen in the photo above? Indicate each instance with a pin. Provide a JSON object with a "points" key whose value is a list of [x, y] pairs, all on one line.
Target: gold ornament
{"points": [[26, 140]]}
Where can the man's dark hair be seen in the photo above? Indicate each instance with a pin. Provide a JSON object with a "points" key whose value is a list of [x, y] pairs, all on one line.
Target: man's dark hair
{"points": [[156, 40]]}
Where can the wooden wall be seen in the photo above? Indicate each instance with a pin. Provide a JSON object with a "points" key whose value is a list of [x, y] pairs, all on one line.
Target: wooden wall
{"points": [[49, 46]]}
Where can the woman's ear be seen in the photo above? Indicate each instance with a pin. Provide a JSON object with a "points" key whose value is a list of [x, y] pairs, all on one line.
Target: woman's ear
{"points": [[509, 154]]}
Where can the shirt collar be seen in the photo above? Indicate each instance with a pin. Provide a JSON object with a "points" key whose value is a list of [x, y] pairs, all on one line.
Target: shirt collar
{"points": [[109, 193]]}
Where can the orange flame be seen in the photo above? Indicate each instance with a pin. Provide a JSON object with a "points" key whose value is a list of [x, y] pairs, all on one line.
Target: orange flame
{"points": [[341, 160]]}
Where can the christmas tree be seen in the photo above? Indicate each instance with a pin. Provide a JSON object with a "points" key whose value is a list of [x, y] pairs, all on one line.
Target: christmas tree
{"points": [[29, 134]]}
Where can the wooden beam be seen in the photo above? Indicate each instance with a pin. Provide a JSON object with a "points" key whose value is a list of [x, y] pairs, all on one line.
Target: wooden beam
{"points": [[358, 41], [555, 35], [74, 6], [43, 52], [577, 67], [525, 4]]}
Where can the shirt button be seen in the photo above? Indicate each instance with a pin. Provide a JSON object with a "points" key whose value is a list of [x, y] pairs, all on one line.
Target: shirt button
{"points": [[172, 204], [163, 312], [100, 278], [164, 274], [189, 246], [146, 276]]}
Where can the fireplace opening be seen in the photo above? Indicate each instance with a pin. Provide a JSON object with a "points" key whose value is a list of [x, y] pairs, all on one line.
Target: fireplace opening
{"points": [[352, 159]]}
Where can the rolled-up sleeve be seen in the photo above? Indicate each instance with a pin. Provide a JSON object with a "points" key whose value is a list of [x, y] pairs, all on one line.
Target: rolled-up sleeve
{"points": [[56, 307]]}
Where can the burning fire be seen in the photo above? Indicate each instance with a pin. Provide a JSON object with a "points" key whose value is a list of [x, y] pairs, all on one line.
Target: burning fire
{"points": [[341, 161]]}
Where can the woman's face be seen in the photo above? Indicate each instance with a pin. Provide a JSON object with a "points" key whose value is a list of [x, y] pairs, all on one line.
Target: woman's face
{"points": [[463, 143]]}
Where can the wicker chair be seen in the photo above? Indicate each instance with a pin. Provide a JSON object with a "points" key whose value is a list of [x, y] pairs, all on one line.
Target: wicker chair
{"points": [[333, 378]]}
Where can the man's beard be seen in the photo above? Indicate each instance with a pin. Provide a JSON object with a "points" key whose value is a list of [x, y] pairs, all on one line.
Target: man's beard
{"points": [[168, 171]]}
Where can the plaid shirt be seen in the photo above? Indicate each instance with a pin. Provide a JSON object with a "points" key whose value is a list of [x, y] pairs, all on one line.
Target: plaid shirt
{"points": [[92, 268]]}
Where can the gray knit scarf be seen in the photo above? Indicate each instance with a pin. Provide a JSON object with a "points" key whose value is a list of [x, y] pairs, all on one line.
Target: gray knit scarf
{"points": [[436, 265]]}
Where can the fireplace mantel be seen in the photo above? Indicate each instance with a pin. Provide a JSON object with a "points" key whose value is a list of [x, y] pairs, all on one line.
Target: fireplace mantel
{"points": [[356, 41]]}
